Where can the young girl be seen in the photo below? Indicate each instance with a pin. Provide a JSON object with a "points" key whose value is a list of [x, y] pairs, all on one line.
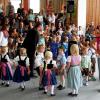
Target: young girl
{"points": [[74, 78], [61, 64], [85, 64], [22, 71], [54, 47], [39, 63], [5, 64], [49, 76], [65, 45]]}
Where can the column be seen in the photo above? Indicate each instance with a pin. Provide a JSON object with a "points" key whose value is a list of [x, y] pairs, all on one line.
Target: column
{"points": [[26, 4], [82, 14]]}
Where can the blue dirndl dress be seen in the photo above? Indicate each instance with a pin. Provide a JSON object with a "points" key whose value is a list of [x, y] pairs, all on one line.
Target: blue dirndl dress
{"points": [[74, 77], [21, 72], [49, 76], [5, 69], [54, 49]]}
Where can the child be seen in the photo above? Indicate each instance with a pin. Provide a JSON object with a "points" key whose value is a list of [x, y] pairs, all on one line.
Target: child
{"points": [[22, 71], [54, 47], [19, 44], [74, 76], [65, 45], [85, 64], [61, 64], [5, 64], [39, 63], [92, 54], [0, 62], [49, 76]]}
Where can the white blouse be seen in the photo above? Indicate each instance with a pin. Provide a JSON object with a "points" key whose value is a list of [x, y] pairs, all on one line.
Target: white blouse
{"points": [[22, 58], [39, 60], [3, 39]]}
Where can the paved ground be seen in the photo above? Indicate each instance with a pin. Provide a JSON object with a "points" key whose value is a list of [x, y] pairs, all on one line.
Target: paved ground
{"points": [[31, 93]]}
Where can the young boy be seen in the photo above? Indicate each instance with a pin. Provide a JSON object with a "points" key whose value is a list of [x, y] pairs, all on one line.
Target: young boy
{"points": [[85, 65], [61, 64]]}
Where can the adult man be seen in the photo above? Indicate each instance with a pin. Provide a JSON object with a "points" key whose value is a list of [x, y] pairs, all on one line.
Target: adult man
{"points": [[30, 43], [20, 10], [10, 10]]}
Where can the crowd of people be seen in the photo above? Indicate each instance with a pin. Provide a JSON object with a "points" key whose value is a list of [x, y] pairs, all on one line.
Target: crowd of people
{"points": [[46, 44]]}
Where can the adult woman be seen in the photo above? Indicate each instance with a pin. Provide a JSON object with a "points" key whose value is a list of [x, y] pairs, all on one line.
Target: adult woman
{"points": [[74, 72], [4, 36]]}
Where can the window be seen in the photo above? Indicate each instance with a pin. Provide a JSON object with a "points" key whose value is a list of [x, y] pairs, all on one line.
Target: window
{"points": [[15, 3], [35, 5]]}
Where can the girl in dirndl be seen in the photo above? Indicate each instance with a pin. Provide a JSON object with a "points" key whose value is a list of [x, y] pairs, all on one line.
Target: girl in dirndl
{"points": [[5, 66], [49, 75], [21, 74], [74, 77]]}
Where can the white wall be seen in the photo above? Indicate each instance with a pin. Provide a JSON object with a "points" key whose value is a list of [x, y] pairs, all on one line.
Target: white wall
{"points": [[15, 3], [35, 5], [82, 14]]}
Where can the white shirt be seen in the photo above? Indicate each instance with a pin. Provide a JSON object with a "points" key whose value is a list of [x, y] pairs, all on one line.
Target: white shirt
{"points": [[92, 53], [6, 57], [53, 18], [3, 39], [39, 60], [49, 18], [80, 32], [22, 58], [40, 18]]}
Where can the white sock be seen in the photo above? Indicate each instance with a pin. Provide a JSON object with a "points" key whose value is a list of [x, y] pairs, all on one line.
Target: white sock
{"points": [[60, 82], [52, 89], [86, 78], [74, 91], [7, 82], [22, 85], [46, 90], [63, 83]]}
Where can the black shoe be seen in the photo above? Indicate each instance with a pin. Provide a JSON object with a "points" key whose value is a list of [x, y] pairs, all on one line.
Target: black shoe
{"points": [[41, 88], [3, 83], [74, 95], [7, 85], [70, 93], [45, 92], [53, 94], [22, 88], [59, 86]]}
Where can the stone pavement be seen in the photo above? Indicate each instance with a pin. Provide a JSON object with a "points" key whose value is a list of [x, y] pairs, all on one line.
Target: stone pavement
{"points": [[91, 92], [32, 92]]}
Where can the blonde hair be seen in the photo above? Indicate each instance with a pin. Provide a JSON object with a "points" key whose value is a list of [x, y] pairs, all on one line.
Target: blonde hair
{"points": [[39, 46], [48, 55], [23, 52], [84, 50], [4, 49], [74, 49]]}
